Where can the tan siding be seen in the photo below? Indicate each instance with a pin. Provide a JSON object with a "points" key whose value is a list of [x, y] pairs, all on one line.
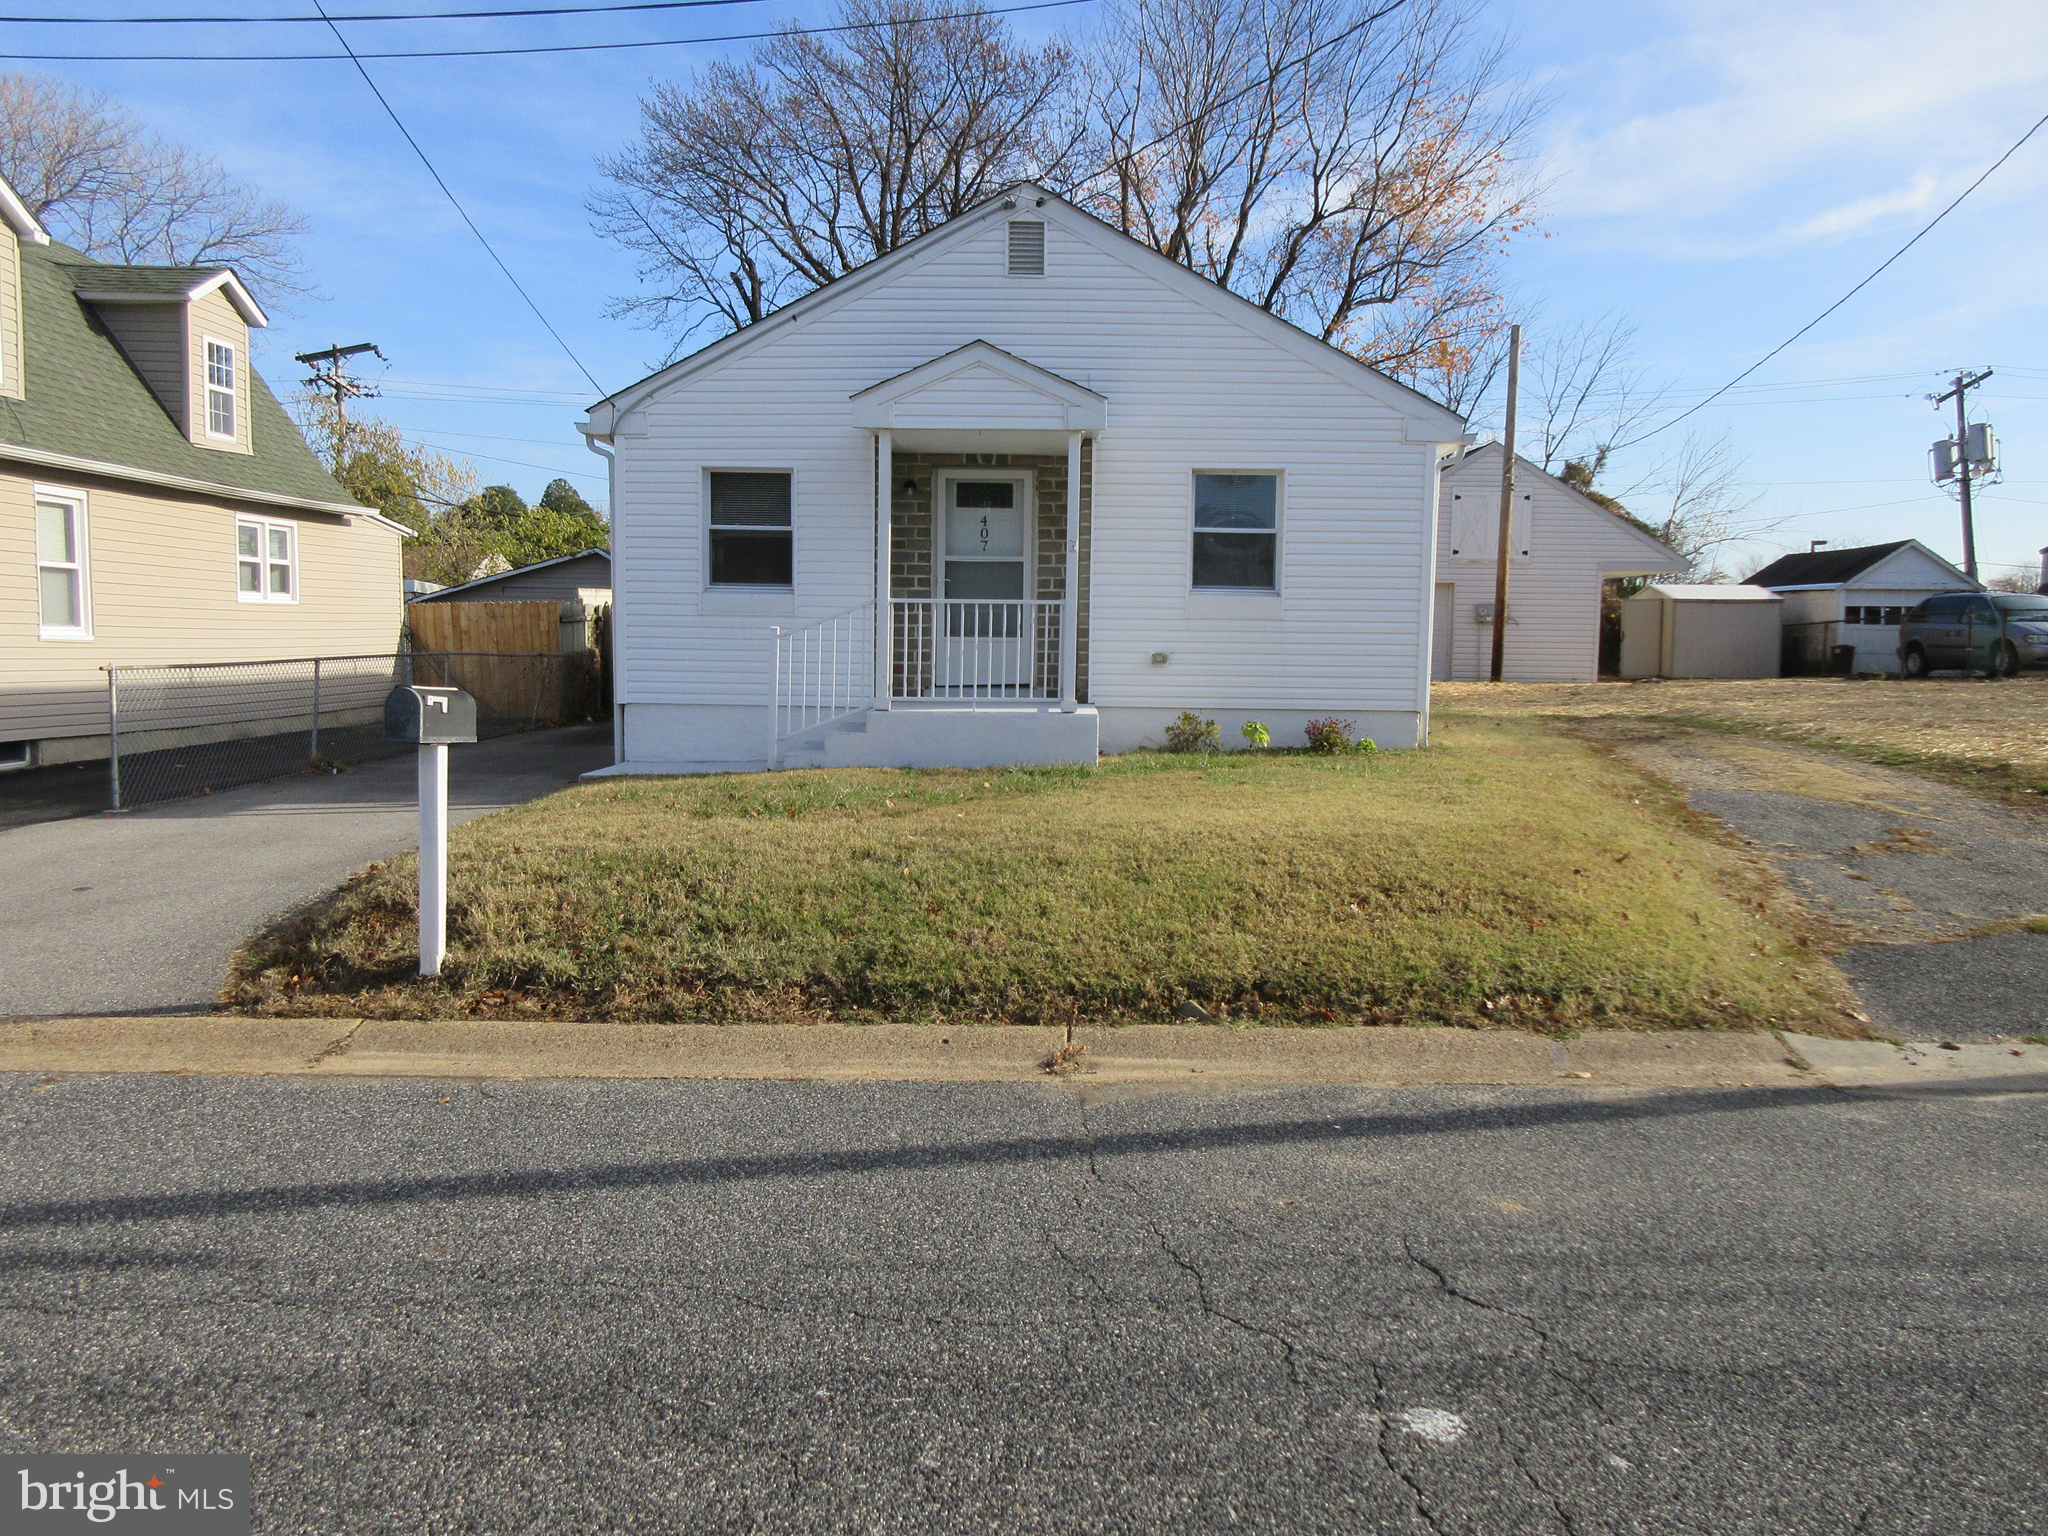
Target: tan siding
{"points": [[11, 370], [162, 574], [212, 315], [153, 336]]}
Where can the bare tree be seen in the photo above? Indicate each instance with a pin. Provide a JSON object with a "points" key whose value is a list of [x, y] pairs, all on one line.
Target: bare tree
{"points": [[1352, 166], [1697, 501], [2016, 578], [102, 182], [753, 183], [1584, 392]]}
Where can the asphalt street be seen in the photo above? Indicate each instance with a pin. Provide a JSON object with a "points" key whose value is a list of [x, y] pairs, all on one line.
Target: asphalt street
{"points": [[800, 1307], [138, 913]]}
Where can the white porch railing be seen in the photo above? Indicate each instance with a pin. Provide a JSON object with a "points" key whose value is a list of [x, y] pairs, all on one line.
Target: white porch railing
{"points": [[823, 672], [946, 649]]}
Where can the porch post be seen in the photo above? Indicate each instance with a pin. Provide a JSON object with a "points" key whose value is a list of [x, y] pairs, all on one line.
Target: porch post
{"points": [[885, 480], [1070, 605]]}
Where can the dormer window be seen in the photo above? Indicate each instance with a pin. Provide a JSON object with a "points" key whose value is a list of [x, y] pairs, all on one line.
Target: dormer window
{"points": [[220, 389]]}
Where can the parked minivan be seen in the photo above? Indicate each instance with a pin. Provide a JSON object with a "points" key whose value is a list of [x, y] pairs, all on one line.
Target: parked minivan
{"points": [[1993, 632]]}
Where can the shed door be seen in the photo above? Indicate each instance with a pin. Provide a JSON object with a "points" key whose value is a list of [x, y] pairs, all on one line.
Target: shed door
{"points": [[1442, 634]]}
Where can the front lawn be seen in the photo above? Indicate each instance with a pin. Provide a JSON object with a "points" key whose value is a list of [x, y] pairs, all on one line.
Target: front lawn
{"points": [[1508, 875]]}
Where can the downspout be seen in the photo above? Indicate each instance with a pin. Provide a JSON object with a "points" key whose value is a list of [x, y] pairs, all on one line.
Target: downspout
{"points": [[611, 491]]}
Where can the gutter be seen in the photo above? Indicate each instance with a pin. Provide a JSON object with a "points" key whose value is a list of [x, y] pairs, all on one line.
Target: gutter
{"points": [[49, 460]]}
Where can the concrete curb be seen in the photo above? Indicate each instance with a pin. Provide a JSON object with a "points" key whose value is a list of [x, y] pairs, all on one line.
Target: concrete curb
{"points": [[1190, 1055]]}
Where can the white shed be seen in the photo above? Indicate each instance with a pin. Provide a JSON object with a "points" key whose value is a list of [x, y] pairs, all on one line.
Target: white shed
{"points": [[1018, 491], [1671, 629], [1565, 545]]}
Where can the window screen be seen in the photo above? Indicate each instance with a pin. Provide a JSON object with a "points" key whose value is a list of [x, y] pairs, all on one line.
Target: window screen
{"points": [[1237, 530], [1027, 248], [750, 530]]}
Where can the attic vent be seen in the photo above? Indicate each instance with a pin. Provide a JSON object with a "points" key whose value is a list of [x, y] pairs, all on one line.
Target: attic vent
{"points": [[1027, 248]]}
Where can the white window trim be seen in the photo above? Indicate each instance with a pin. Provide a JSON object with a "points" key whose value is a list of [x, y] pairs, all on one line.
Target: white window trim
{"points": [[81, 535], [263, 560], [704, 526], [1240, 594], [207, 387]]}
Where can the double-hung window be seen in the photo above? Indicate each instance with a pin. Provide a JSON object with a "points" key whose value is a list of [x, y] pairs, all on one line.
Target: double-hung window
{"points": [[266, 562], [1237, 531], [750, 528], [220, 389], [61, 583]]}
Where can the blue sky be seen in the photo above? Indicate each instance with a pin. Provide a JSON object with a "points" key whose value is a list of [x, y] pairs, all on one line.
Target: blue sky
{"points": [[1715, 173]]}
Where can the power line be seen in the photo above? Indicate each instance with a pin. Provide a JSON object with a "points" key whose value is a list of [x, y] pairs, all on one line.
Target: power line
{"points": [[351, 56], [457, 204], [173, 21], [1845, 298]]}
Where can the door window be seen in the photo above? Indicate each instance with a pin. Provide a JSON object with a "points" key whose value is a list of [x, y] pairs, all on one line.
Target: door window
{"points": [[985, 542]]}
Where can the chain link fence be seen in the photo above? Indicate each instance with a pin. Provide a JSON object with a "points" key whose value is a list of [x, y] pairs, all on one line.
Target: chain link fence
{"points": [[179, 731]]}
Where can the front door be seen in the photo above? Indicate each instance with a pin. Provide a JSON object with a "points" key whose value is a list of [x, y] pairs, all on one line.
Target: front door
{"points": [[985, 635]]}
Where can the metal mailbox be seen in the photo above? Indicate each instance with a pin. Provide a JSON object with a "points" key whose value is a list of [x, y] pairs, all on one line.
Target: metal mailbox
{"points": [[429, 716]]}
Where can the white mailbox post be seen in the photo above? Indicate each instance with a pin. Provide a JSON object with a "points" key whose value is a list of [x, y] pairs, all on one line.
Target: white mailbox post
{"points": [[433, 718]]}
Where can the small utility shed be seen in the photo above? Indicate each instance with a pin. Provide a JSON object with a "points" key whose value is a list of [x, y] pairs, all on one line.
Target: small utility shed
{"points": [[1671, 629], [1855, 597], [1564, 546], [558, 580]]}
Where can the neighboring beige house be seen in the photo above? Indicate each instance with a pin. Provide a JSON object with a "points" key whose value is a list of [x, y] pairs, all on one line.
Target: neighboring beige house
{"points": [[1564, 547], [156, 504]]}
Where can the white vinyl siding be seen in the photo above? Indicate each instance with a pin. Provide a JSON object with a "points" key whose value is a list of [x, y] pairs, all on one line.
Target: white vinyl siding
{"points": [[266, 561], [63, 586], [1564, 548], [1192, 385]]}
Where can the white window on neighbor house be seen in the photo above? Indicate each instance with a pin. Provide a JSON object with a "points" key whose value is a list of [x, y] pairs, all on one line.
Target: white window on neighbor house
{"points": [[751, 543], [62, 583], [1237, 531], [220, 389], [266, 562]]}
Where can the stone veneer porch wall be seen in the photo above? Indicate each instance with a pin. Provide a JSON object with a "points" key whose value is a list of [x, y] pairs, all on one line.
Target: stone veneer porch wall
{"points": [[910, 550]]}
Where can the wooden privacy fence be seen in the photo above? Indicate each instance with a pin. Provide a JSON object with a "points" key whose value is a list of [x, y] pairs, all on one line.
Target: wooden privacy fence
{"points": [[487, 644]]}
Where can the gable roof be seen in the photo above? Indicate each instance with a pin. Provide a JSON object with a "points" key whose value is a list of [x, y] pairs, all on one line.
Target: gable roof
{"points": [[1441, 423], [87, 409], [1834, 567], [101, 283], [517, 570], [1648, 540], [1082, 408]]}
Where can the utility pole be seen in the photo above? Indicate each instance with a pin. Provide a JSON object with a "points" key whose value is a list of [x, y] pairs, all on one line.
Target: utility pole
{"points": [[1964, 383], [330, 374], [1507, 506]]}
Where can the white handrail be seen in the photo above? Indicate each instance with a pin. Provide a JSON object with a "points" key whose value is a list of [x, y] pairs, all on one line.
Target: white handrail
{"points": [[821, 673], [975, 649]]}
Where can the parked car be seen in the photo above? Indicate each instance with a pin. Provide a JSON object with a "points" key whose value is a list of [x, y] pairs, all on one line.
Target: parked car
{"points": [[1992, 632]]}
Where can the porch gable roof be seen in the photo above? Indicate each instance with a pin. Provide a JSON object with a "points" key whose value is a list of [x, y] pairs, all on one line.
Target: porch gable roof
{"points": [[980, 386]]}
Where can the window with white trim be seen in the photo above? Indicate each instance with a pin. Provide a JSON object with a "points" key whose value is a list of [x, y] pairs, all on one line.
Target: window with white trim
{"points": [[62, 587], [1237, 531], [750, 528], [220, 389], [266, 561]]}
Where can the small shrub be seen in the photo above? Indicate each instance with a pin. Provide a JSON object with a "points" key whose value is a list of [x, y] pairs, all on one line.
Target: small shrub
{"points": [[1329, 735], [1191, 734], [1256, 734]]}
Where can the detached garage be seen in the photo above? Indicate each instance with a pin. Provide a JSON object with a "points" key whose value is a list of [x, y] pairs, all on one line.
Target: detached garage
{"points": [[1674, 630]]}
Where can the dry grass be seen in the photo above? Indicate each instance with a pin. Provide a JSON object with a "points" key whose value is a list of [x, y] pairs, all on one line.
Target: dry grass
{"points": [[1509, 875], [1988, 733]]}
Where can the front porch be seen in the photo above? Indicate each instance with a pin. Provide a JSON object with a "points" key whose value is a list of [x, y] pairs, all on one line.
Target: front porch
{"points": [[972, 652]]}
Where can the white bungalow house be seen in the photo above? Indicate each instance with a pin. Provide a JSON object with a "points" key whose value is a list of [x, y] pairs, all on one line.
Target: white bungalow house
{"points": [[1021, 491], [1855, 597], [1563, 547]]}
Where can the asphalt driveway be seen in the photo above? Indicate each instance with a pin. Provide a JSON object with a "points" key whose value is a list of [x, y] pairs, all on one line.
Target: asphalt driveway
{"points": [[138, 913]]}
